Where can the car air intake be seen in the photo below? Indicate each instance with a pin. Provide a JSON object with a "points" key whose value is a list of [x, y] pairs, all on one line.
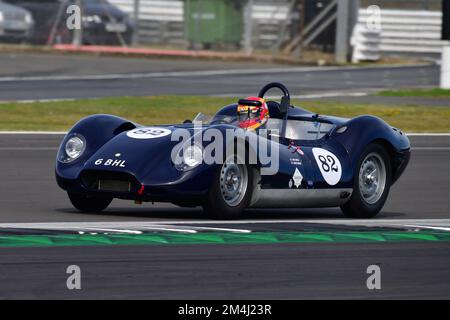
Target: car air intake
{"points": [[109, 181]]}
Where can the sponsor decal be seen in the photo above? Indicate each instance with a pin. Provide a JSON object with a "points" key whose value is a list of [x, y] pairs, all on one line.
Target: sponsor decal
{"points": [[329, 165], [295, 161], [299, 151], [295, 149], [297, 178], [148, 133]]}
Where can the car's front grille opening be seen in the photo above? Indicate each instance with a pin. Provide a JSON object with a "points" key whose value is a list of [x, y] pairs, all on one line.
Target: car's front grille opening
{"points": [[109, 181], [114, 185]]}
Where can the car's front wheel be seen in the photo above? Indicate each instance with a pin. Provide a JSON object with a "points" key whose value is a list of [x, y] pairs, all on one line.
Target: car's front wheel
{"points": [[371, 184], [231, 190], [87, 203]]}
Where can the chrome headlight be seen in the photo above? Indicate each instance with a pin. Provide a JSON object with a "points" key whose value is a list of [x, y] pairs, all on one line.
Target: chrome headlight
{"points": [[191, 157], [92, 19], [72, 148], [29, 18]]}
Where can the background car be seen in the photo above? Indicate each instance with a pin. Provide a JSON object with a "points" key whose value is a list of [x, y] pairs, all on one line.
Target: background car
{"points": [[15, 23], [103, 23]]}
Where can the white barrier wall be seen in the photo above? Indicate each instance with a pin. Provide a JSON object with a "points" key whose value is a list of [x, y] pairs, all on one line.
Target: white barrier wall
{"points": [[445, 68], [408, 31]]}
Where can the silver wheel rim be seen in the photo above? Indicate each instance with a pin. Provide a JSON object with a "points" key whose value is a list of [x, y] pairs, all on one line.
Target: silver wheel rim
{"points": [[372, 178], [233, 182]]}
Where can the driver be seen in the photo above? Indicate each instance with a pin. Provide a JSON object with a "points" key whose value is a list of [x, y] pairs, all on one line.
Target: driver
{"points": [[253, 113]]}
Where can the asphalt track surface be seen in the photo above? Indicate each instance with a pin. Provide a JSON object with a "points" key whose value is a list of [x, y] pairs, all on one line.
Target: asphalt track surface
{"points": [[306, 271], [245, 271], [31, 77]]}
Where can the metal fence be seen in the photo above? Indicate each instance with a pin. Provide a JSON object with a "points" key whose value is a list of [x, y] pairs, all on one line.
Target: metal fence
{"points": [[160, 22]]}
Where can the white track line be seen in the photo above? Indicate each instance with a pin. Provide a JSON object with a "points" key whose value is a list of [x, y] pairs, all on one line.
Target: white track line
{"points": [[211, 229], [35, 133], [156, 224], [317, 95], [429, 227], [430, 149], [36, 100], [162, 228], [115, 230], [330, 95], [28, 149]]}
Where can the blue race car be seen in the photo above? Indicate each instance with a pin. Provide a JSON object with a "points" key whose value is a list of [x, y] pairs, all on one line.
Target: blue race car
{"points": [[252, 154]]}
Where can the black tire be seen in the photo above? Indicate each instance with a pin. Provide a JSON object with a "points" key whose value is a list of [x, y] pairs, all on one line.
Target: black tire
{"points": [[358, 207], [216, 207], [91, 204]]}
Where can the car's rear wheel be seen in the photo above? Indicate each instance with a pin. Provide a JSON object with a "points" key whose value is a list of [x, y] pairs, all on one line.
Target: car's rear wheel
{"points": [[371, 184], [87, 203], [231, 190]]}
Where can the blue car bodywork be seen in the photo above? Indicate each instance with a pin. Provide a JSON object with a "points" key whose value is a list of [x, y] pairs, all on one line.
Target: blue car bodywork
{"points": [[146, 165]]}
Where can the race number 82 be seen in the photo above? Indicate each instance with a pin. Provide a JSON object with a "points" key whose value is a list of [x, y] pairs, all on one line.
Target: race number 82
{"points": [[329, 165]]}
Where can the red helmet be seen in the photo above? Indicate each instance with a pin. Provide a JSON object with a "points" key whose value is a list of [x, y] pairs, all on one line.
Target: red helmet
{"points": [[252, 113]]}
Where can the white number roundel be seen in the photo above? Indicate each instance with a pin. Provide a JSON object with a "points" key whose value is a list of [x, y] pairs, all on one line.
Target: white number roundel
{"points": [[148, 133], [329, 165]]}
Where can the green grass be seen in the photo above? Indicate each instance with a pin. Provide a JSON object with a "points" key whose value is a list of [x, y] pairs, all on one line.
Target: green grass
{"points": [[60, 116], [427, 93]]}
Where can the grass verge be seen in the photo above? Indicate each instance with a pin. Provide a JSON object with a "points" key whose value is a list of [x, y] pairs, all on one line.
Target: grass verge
{"points": [[61, 115], [427, 93]]}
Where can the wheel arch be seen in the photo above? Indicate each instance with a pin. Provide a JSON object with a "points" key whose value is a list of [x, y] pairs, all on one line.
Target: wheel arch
{"points": [[97, 130], [363, 130], [390, 149], [102, 125]]}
